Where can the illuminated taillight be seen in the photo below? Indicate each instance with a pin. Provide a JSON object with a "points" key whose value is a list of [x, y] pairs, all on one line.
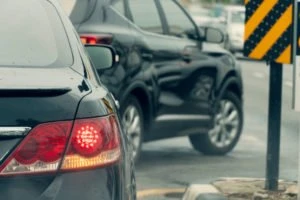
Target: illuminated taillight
{"points": [[90, 143], [94, 143], [96, 39], [41, 151]]}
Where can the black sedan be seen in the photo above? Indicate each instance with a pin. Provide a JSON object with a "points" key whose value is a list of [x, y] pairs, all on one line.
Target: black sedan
{"points": [[60, 136], [169, 81]]}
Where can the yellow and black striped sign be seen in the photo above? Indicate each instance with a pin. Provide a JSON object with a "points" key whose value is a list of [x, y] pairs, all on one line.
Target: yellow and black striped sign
{"points": [[269, 30]]}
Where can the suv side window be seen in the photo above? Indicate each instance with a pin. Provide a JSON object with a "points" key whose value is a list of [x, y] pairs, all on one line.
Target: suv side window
{"points": [[178, 22], [145, 15]]}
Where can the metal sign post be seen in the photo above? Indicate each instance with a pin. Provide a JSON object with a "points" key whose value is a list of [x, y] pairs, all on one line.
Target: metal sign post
{"points": [[268, 36], [273, 149], [296, 76], [296, 59]]}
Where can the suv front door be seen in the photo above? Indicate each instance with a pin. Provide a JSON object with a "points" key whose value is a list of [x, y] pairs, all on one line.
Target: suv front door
{"points": [[171, 51], [186, 104], [160, 58], [182, 31]]}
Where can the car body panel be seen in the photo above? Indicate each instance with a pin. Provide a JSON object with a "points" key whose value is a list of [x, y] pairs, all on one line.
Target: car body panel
{"points": [[31, 96]]}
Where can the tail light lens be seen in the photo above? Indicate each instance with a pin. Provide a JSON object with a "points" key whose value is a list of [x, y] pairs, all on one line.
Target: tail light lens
{"points": [[96, 39], [94, 143], [40, 151]]}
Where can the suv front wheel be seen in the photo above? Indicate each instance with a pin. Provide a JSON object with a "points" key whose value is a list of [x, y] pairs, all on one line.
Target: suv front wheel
{"points": [[224, 135]]}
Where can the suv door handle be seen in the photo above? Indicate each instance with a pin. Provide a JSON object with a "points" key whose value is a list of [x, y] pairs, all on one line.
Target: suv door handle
{"points": [[147, 56]]}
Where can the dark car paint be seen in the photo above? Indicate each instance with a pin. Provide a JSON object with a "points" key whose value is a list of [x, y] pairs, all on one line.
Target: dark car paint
{"points": [[162, 68], [31, 96]]}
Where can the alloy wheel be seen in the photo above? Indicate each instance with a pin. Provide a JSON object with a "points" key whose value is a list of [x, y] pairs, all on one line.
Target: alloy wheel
{"points": [[132, 122], [226, 125]]}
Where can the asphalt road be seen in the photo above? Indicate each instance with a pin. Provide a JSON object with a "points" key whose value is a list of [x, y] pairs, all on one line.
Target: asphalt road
{"points": [[173, 162]]}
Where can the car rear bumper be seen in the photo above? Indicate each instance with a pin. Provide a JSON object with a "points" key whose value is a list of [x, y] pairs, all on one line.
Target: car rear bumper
{"points": [[92, 185]]}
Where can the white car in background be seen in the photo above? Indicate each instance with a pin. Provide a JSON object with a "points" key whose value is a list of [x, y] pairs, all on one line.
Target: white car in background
{"points": [[201, 16], [233, 18]]}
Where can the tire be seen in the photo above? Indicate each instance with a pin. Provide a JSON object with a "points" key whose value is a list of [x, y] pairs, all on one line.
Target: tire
{"points": [[133, 121], [219, 140]]}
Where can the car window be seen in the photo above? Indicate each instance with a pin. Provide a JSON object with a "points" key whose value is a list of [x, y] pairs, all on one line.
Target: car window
{"points": [[68, 5], [78, 10], [34, 36], [177, 20], [145, 15], [200, 12], [238, 17], [218, 11]]}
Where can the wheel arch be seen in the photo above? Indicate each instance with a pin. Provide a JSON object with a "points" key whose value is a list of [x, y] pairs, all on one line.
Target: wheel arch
{"points": [[144, 101], [210, 71], [139, 91], [221, 83], [230, 83]]}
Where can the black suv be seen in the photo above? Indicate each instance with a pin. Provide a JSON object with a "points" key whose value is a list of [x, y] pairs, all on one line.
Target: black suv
{"points": [[169, 81]]}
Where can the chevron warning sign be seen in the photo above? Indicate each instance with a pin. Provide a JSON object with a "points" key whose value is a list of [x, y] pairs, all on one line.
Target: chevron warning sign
{"points": [[269, 30]]}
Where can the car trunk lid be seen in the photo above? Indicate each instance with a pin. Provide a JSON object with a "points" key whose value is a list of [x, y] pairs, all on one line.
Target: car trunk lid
{"points": [[30, 97]]}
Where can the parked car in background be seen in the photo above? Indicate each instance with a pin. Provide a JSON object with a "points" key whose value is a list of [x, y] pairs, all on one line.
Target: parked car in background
{"points": [[232, 18], [60, 134], [201, 16], [169, 81]]}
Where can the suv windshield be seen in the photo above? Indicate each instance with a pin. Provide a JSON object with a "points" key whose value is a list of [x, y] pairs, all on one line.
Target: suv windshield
{"points": [[34, 36]]}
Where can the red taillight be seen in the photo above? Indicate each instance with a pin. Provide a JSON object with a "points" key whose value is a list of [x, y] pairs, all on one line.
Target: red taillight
{"points": [[94, 143], [96, 39], [40, 151], [89, 138]]}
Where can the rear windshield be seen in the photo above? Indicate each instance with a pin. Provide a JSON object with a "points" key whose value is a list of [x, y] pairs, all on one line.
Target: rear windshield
{"points": [[68, 5], [32, 34], [77, 10]]}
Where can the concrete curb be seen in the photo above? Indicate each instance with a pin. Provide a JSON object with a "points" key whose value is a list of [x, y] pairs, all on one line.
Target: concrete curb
{"points": [[246, 179], [203, 192]]}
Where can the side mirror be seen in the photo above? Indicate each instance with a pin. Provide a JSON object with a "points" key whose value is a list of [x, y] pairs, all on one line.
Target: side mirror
{"points": [[103, 57], [213, 35]]}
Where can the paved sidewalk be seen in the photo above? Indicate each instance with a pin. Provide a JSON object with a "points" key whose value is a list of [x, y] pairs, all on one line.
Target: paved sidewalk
{"points": [[203, 192], [224, 189], [193, 192]]}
